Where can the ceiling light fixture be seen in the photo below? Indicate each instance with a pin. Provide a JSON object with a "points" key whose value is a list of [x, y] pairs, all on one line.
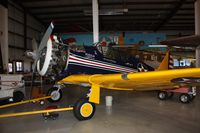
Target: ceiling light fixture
{"points": [[107, 11]]}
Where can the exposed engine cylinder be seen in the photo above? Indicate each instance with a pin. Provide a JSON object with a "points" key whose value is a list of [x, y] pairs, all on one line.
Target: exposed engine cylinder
{"points": [[53, 59]]}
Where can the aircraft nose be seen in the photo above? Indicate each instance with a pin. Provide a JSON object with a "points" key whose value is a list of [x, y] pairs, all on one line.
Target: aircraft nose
{"points": [[53, 58]]}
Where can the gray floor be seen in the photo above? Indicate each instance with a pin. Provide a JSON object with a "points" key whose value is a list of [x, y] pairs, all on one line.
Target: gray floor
{"points": [[132, 112]]}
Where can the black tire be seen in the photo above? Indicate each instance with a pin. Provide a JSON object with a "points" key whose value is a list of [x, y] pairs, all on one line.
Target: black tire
{"points": [[18, 96], [162, 95], [84, 105], [184, 98], [170, 94], [57, 97]]}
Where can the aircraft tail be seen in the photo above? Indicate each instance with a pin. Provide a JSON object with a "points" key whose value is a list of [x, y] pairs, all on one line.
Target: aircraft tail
{"points": [[167, 62]]}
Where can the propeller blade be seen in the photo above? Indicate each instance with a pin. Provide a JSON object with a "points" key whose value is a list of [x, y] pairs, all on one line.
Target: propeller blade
{"points": [[46, 37], [34, 44], [43, 44]]}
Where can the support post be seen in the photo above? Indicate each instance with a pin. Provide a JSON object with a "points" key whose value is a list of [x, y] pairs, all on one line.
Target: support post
{"points": [[197, 29], [95, 18], [25, 29], [4, 35], [197, 17], [197, 52]]}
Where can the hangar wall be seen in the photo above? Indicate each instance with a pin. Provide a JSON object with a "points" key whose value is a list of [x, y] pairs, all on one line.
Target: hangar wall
{"points": [[22, 28], [129, 38]]}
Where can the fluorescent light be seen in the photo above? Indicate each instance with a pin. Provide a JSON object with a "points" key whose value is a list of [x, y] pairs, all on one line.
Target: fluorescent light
{"points": [[108, 11], [156, 46], [179, 47]]}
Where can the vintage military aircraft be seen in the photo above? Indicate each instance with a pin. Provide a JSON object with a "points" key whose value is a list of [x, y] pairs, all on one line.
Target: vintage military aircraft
{"points": [[89, 67]]}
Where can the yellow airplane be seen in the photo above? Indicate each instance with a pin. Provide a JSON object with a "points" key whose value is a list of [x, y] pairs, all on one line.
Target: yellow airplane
{"points": [[56, 60], [124, 79]]}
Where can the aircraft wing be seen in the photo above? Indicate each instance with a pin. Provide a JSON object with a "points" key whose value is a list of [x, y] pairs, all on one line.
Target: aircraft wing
{"points": [[154, 80], [187, 41]]}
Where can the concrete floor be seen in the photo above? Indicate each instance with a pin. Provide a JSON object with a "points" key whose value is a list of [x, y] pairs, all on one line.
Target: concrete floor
{"points": [[132, 112]]}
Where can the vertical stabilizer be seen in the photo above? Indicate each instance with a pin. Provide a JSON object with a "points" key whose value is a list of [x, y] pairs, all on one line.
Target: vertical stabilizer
{"points": [[167, 62]]}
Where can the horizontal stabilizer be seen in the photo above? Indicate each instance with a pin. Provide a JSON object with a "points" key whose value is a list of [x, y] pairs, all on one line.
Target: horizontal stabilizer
{"points": [[186, 80]]}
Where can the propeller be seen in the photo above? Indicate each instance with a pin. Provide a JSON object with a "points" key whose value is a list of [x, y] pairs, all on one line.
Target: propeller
{"points": [[37, 54], [43, 44]]}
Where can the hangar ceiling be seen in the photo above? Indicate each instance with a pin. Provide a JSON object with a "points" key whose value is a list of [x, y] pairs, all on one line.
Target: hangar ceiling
{"points": [[116, 15]]}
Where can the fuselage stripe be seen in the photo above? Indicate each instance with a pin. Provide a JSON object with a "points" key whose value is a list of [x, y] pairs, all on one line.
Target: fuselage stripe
{"points": [[104, 66], [99, 61], [82, 61], [95, 67]]}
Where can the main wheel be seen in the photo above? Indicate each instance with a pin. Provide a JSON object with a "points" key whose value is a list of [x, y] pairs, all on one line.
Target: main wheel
{"points": [[55, 93], [184, 98], [18, 96], [162, 95], [84, 110]]}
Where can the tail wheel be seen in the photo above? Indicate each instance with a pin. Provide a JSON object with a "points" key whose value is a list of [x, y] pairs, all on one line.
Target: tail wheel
{"points": [[18, 96], [56, 94], [184, 98], [84, 110], [162, 95]]}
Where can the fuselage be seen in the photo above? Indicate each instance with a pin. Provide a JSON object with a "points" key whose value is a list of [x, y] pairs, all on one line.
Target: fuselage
{"points": [[64, 60]]}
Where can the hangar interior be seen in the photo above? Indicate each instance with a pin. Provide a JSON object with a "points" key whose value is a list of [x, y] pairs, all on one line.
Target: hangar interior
{"points": [[123, 32]]}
